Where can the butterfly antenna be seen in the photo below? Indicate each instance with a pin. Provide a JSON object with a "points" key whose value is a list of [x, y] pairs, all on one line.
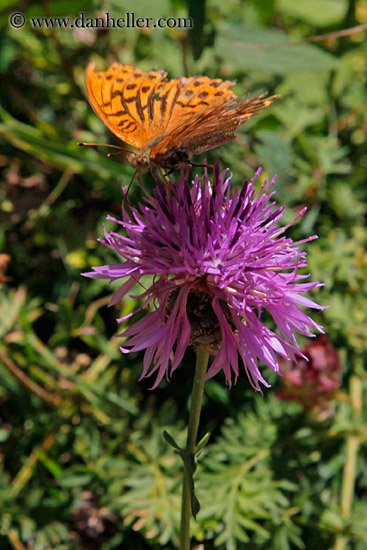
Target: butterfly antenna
{"points": [[109, 155], [82, 144], [121, 150]]}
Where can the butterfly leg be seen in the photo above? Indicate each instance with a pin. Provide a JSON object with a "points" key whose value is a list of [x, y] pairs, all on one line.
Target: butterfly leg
{"points": [[131, 181], [165, 179], [214, 172], [163, 176], [167, 184]]}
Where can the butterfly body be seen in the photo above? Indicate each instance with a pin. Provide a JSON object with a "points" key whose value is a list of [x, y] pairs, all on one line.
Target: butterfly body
{"points": [[167, 121]]}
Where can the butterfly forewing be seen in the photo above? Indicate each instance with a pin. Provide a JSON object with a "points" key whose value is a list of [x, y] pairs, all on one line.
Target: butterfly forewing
{"points": [[122, 98]]}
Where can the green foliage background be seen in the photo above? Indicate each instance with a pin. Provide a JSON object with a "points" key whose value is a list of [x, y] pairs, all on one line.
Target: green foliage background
{"points": [[74, 416]]}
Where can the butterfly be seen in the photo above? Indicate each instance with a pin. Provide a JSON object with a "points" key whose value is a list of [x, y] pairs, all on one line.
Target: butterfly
{"points": [[167, 121]]}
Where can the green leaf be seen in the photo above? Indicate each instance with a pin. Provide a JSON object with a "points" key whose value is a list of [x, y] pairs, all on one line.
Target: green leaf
{"points": [[202, 443], [196, 10], [275, 152], [171, 441], [189, 463], [75, 480], [143, 8], [32, 141], [233, 46], [320, 13], [63, 8]]}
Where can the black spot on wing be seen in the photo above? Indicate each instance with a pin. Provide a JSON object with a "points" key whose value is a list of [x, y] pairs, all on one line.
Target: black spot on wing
{"points": [[127, 126], [191, 105], [125, 107], [119, 113], [117, 93], [153, 96], [174, 101], [139, 107], [163, 100]]}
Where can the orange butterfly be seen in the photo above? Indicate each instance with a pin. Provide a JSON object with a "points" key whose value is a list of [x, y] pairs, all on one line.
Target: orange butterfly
{"points": [[167, 121]]}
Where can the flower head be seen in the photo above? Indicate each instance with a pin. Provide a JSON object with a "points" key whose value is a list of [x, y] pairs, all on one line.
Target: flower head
{"points": [[218, 264]]}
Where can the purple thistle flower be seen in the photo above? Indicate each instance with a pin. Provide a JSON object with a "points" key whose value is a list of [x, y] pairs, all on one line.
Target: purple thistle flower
{"points": [[217, 263]]}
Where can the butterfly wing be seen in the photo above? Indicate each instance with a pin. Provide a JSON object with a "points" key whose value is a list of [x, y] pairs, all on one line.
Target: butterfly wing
{"points": [[211, 126], [173, 119], [123, 97], [140, 108]]}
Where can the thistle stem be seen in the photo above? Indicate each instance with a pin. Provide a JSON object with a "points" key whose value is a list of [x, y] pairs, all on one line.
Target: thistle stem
{"points": [[349, 472], [202, 358]]}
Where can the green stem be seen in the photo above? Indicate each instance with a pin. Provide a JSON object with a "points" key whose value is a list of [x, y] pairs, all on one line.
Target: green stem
{"points": [[349, 472], [202, 358]]}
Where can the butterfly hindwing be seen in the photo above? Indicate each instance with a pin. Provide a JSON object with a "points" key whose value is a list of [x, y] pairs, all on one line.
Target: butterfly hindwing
{"points": [[208, 128]]}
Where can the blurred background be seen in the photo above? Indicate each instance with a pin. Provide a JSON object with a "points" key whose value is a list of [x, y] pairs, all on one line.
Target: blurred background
{"points": [[83, 463]]}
